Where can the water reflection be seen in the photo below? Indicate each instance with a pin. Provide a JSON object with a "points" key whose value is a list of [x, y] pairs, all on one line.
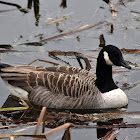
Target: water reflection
{"points": [[15, 5], [30, 4], [35, 4], [63, 4], [107, 133], [107, 1], [12, 102]]}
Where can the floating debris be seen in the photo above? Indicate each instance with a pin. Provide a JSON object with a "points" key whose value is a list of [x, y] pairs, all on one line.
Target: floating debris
{"points": [[58, 20], [102, 41], [49, 62], [111, 29], [78, 56], [130, 50], [44, 41]]}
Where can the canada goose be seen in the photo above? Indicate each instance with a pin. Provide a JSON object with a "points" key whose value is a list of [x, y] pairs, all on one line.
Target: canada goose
{"points": [[65, 87]]}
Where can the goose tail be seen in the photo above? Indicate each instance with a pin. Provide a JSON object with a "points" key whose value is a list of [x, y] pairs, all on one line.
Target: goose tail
{"points": [[3, 65]]}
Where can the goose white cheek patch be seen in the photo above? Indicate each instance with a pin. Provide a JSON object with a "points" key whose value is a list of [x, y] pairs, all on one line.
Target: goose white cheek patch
{"points": [[107, 59]]}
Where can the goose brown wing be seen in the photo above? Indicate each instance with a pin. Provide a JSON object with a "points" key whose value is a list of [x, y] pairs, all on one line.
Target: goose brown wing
{"points": [[69, 81], [28, 68], [55, 87], [62, 83]]}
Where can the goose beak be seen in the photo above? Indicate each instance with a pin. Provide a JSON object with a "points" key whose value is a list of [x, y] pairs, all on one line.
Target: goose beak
{"points": [[124, 64]]}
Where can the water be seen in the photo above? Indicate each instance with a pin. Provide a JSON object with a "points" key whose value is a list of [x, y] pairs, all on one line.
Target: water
{"points": [[17, 27]]}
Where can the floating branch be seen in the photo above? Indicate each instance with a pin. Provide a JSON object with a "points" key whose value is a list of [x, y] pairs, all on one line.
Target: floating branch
{"points": [[119, 70], [18, 125], [58, 20], [67, 125], [43, 61], [71, 53], [22, 135], [111, 7], [107, 126], [136, 12], [43, 135], [15, 5], [5, 51], [11, 4], [67, 135], [9, 50], [72, 32], [130, 50], [42, 114], [119, 113], [50, 132], [62, 127], [114, 10], [13, 108], [40, 43], [32, 44], [6, 46]]}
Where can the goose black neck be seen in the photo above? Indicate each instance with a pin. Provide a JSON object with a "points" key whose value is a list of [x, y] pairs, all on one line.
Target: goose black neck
{"points": [[104, 80]]}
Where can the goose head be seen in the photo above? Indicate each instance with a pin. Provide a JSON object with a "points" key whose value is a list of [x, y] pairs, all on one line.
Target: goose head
{"points": [[113, 56], [109, 56]]}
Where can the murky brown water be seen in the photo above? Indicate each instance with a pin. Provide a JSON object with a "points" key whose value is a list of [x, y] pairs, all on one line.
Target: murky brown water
{"points": [[17, 27]]}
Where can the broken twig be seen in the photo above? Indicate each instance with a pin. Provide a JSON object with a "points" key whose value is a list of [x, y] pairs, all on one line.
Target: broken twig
{"points": [[43, 111], [70, 53], [58, 20], [43, 61], [62, 127]]}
